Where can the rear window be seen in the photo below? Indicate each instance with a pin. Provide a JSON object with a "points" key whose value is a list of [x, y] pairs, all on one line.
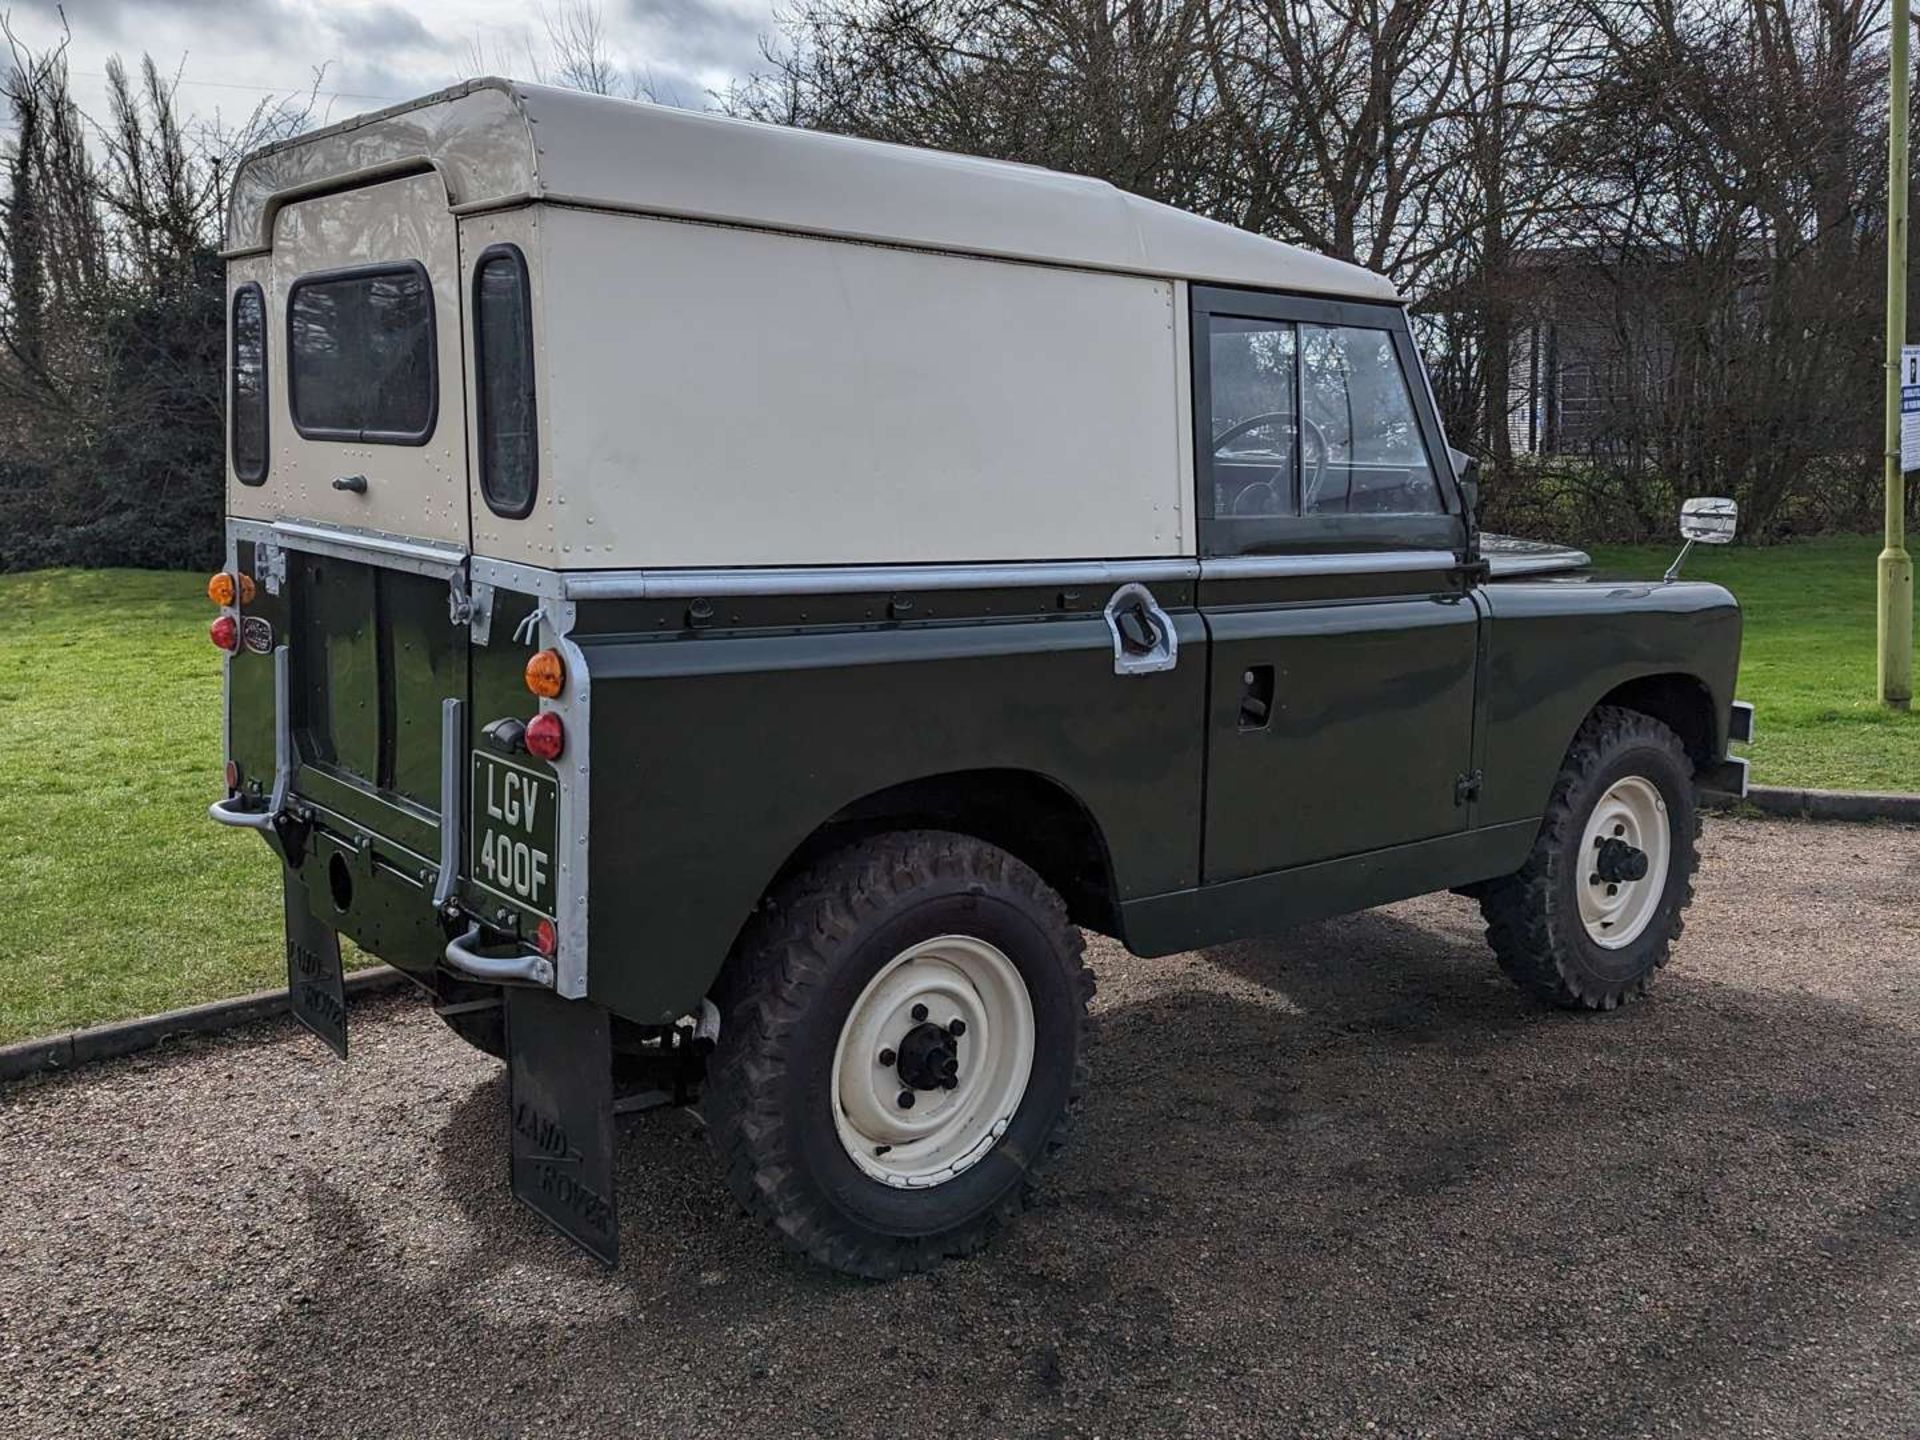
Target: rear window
{"points": [[503, 355], [247, 407], [361, 355]]}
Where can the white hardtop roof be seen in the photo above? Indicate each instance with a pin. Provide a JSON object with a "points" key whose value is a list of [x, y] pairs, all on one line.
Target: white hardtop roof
{"points": [[498, 142]]}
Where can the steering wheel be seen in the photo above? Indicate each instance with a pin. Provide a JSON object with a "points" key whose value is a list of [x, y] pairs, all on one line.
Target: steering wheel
{"points": [[1313, 454]]}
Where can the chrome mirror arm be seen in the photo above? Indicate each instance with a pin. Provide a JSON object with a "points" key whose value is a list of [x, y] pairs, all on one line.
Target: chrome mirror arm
{"points": [[1673, 570]]}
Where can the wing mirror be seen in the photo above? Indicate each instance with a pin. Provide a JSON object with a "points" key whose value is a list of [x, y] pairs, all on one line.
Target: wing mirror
{"points": [[1705, 520]]}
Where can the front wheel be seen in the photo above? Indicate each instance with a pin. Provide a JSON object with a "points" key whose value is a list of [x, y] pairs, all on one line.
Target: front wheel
{"points": [[1596, 908], [900, 1052]]}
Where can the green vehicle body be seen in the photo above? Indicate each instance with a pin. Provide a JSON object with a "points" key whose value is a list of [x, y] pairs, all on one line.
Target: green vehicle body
{"points": [[728, 754]]}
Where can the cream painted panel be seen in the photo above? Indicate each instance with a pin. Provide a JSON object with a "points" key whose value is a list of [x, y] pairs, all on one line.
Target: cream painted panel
{"points": [[497, 141], [691, 163], [415, 490], [721, 396], [531, 538], [1183, 392]]}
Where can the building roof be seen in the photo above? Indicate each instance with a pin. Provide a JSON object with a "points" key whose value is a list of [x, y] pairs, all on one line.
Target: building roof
{"points": [[499, 142]]}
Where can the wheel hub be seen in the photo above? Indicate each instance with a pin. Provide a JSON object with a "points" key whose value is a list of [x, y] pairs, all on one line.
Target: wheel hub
{"points": [[929, 1058], [1619, 863], [1629, 844]]}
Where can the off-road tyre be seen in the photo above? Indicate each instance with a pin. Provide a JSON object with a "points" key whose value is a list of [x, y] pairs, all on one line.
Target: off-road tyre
{"points": [[791, 982], [1533, 915]]}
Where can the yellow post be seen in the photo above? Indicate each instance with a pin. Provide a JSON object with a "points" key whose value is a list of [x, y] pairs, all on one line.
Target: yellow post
{"points": [[1896, 566]]}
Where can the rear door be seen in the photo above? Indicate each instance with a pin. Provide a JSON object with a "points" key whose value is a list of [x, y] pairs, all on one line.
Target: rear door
{"points": [[371, 426], [368, 463]]}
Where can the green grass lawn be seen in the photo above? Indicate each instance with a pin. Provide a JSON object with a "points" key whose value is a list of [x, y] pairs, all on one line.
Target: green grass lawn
{"points": [[1807, 660], [121, 898]]}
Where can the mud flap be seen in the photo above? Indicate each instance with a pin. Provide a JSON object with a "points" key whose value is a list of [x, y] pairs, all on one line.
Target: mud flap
{"points": [[315, 987], [560, 1110]]}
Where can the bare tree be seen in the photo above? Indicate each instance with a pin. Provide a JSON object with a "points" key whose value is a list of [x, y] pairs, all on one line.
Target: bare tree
{"points": [[1113, 88], [574, 50]]}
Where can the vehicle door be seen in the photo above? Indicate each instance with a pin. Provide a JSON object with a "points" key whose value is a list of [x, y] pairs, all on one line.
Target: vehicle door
{"points": [[1344, 634], [366, 484]]}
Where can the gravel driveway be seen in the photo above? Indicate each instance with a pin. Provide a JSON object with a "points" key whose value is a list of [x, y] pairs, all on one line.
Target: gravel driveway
{"points": [[1342, 1182]]}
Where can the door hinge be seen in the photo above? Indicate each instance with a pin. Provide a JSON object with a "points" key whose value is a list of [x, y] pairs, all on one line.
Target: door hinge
{"points": [[270, 565], [1466, 788], [480, 612], [459, 607]]}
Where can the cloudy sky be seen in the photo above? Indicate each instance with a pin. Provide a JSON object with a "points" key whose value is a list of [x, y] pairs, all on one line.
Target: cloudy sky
{"points": [[232, 53]]}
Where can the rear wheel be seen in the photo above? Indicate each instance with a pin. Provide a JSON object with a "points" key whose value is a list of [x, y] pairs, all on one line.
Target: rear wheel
{"points": [[900, 1053], [1596, 908]]}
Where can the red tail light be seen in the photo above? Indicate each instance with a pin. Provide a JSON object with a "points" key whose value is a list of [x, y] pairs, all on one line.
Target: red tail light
{"points": [[545, 938], [225, 632], [546, 736]]}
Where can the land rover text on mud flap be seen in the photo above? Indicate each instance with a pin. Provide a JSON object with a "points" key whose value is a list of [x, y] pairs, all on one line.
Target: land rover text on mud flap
{"points": [[723, 607]]}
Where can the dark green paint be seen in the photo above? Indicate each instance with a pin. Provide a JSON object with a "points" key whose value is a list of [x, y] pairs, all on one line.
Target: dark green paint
{"points": [[1261, 904], [1371, 726], [715, 757], [1558, 648], [374, 653], [720, 748], [390, 903]]}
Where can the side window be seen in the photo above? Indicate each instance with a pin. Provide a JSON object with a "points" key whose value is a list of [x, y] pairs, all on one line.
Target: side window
{"points": [[362, 361], [1362, 453], [247, 404], [1309, 434], [503, 355], [1255, 380]]}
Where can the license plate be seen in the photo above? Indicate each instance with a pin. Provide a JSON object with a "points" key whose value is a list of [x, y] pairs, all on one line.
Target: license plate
{"points": [[514, 812]]}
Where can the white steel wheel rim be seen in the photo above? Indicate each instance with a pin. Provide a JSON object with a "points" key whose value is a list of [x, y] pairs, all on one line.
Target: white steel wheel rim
{"points": [[945, 1131], [1617, 912]]}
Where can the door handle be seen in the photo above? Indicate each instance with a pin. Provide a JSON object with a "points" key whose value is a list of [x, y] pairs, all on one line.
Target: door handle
{"points": [[1144, 640], [1256, 697], [357, 484]]}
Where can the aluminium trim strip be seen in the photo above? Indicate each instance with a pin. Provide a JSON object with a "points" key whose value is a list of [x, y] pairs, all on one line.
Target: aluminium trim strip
{"points": [[1503, 566], [453, 751], [579, 585], [394, 552], [1375, 562], [851, 579], [573, 705]]}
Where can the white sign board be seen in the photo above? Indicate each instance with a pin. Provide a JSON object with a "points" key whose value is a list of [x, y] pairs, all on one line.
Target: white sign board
{"points": [[1910, 407]]}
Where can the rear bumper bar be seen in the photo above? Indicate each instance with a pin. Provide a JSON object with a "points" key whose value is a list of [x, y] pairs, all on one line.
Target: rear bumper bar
{"points": [[229, 812], [533, 968]]}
